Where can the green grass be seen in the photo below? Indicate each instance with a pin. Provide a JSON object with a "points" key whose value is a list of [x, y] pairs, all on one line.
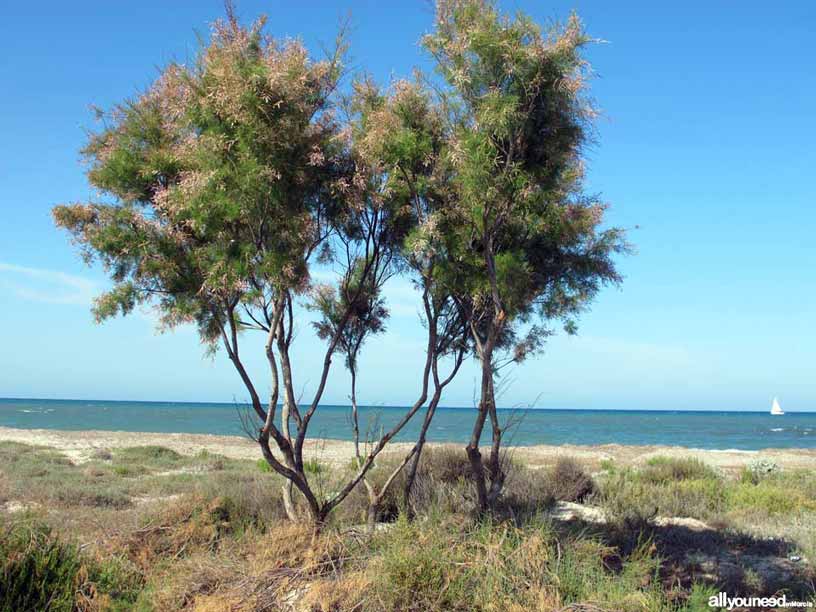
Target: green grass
{"points": [[439, 565], [185, 526], [781, 504]]}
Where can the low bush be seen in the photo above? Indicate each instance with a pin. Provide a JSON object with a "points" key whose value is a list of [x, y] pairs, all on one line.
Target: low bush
{"points": [[40, 572], [768, 498], [152, 456], [93, 497], [569, 481], [631, 499], [441, 565], [758, 470], [668, 469], [628, 502], [102, 454], [445, 464]]}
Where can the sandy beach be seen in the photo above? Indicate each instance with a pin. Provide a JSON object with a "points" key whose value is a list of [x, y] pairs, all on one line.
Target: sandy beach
{"points": [[80, 446]]}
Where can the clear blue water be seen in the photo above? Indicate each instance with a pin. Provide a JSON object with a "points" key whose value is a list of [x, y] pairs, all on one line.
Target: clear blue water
{"points": [[713, 430]]}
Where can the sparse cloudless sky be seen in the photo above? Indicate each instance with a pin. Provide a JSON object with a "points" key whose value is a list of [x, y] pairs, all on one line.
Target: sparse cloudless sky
{"points": [[706, 143]]}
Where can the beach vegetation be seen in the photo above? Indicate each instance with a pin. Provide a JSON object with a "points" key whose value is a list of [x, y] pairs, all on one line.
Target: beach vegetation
{"points": [[234, 183], [228, 184], [39, 571], [199, 538], [759, 469], [570, 481], [525, 246], [666, 469]]}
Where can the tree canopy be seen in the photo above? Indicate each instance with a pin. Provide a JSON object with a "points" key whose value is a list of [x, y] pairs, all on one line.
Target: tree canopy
{"points": [[228, 181]]}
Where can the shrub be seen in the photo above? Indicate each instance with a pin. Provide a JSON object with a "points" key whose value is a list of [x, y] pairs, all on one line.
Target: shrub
{"points": [[527, 493], [442, 565], [192, 523], [446, 464], [157, 456], [628, 502], [608, 465], [665, 469], [768, 498], [73, 495], [254, 501], [758, 470], [632, 500], [569, 481], [129, 471], [418, 572], [40, 572]]}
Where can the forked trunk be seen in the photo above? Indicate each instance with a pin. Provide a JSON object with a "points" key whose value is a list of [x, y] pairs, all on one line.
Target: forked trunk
{"points": [[487, 408]]}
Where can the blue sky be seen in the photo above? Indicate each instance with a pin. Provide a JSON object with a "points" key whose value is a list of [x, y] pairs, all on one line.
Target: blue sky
{"points": [[706, 145]]}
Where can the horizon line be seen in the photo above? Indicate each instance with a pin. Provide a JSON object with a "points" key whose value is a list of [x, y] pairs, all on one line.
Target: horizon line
{"points": [[398, 407]]}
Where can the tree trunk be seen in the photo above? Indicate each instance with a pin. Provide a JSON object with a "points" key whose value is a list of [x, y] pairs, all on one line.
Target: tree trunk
{"points": [[371, 517], [355, 422], [374, 500], [420, 445], [487, 407], [472, 449], [288, 502]]}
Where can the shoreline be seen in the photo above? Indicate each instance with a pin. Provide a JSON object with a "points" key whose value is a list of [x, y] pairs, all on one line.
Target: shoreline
{"points": [[79, 445]]}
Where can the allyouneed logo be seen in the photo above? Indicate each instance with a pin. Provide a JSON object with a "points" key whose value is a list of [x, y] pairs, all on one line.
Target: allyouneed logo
{"points": [[722, 600]]}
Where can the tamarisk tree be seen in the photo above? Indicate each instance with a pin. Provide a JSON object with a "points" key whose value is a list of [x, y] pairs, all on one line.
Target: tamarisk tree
{"points": [[524, 244], [224, 184], [400, 137]]}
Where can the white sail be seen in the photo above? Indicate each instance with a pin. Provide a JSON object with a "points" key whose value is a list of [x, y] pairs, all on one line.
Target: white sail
{"points": [[776, 409]]}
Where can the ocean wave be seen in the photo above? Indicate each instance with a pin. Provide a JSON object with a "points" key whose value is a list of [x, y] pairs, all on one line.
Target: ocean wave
{"points": [[778, 429]]}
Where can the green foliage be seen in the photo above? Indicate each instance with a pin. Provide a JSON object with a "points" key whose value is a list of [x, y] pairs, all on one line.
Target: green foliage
{"points": [[216, 174], [689, 487], [356, 311], [438, 566], [313, 466], [523, 238], [758, 470], [771, 497], [665, 469], [608, 465], [228, 178], [159, 455], [665, 487], [40, 572], [491, 168]]}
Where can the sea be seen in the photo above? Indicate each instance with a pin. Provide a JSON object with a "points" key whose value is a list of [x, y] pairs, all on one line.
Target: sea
{"points": [[693, 429]]}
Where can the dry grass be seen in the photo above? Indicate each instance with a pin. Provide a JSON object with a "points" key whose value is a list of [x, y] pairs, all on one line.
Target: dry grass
{"points": [[209, 533]]}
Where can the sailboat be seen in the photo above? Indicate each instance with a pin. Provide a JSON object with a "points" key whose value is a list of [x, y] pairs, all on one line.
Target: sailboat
{"points": [[776, 409]]}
